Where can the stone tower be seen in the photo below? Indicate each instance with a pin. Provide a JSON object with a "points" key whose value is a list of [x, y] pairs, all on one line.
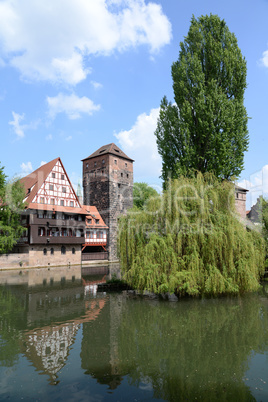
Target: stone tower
{"points": [[108, 185]]}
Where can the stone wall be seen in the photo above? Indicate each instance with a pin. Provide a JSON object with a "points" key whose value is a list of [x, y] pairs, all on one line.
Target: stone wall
{"points": [[108, 185], [37, 258], [14, 260]]}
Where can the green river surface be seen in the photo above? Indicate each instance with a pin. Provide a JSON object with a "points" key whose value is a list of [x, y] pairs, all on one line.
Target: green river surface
{"points": [[61, 340]]}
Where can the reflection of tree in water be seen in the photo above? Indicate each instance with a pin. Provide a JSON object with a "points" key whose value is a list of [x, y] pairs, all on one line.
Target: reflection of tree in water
{"points": [[12, 316], [192, 349]]}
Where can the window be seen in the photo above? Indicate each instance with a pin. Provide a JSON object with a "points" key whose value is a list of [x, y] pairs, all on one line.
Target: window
{"points": [[73, 250], [119, 185], [63, 250], [95, 164], [52, 201], [52, 251], [127, 175], [86, 165], [53, 175], [40, 214], [41, 231], [62, 177], [79, 218], [42, 200], [45, 251], [115, 162], [51, 187], [97, 221], [87, 235], [62, 203], [71, 203], [89, 221], [125, 164], [121, 174], [63, 189], [103, 161]]}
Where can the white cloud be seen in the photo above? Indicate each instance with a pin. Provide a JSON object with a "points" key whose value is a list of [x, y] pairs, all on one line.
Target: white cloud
{"points": [[52, 40], [139, 143], [68, 138], [26, 168], [96, 85], [257, 184], [49, 137], [18, 128], [72, 105], [264, 58]]}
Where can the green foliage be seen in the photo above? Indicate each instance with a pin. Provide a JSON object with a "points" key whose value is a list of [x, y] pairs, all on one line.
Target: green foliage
{"points": [[190, 241], [206, 128], [142, 192], [11, 204]]}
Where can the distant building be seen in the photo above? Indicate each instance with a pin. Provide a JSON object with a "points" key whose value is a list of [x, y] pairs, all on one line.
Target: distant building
{"points": [[240, 200], [108, 185], [254, 214]]}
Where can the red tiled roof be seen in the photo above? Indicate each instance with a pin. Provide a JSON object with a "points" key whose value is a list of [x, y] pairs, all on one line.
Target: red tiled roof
{"points": [[109, 149], [92, 212]]}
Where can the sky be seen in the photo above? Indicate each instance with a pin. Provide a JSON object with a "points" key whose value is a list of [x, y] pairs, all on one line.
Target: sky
{"points": [[79, 74]]}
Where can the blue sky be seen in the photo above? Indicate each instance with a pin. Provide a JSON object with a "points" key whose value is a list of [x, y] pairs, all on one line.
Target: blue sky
{"points": [[78, 74]]}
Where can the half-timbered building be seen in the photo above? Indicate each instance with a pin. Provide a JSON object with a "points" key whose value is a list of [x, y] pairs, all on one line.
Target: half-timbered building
{"points": [[54, 218]]}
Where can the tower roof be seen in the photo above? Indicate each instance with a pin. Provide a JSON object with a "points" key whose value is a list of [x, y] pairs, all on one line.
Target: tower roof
{"points": [[109, 149]]}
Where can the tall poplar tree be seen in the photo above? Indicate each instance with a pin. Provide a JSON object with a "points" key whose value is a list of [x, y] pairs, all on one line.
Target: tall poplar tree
{"points": [[206, 128]]}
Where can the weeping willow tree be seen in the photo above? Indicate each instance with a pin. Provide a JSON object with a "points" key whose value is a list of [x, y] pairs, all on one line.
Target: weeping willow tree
{"points": [[189, 241]]}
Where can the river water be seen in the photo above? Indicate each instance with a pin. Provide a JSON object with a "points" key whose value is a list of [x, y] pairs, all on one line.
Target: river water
{"points": [[62, 340]]}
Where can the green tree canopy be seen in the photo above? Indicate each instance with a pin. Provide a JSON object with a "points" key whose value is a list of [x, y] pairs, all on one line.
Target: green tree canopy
{"points": [[11, 204], [206, 128], [142, 192]]}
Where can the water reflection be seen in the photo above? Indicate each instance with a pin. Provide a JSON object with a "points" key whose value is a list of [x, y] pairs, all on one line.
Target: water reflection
{"points": [[193, 349]]}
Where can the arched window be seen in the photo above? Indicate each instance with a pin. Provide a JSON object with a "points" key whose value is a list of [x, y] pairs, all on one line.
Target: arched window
{"points": [[45, 251], [52, 251], [73, 250], [63, 250]]}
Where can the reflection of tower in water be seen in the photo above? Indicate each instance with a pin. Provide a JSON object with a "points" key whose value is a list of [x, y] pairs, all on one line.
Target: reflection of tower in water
{"points": [[99, 349]]}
